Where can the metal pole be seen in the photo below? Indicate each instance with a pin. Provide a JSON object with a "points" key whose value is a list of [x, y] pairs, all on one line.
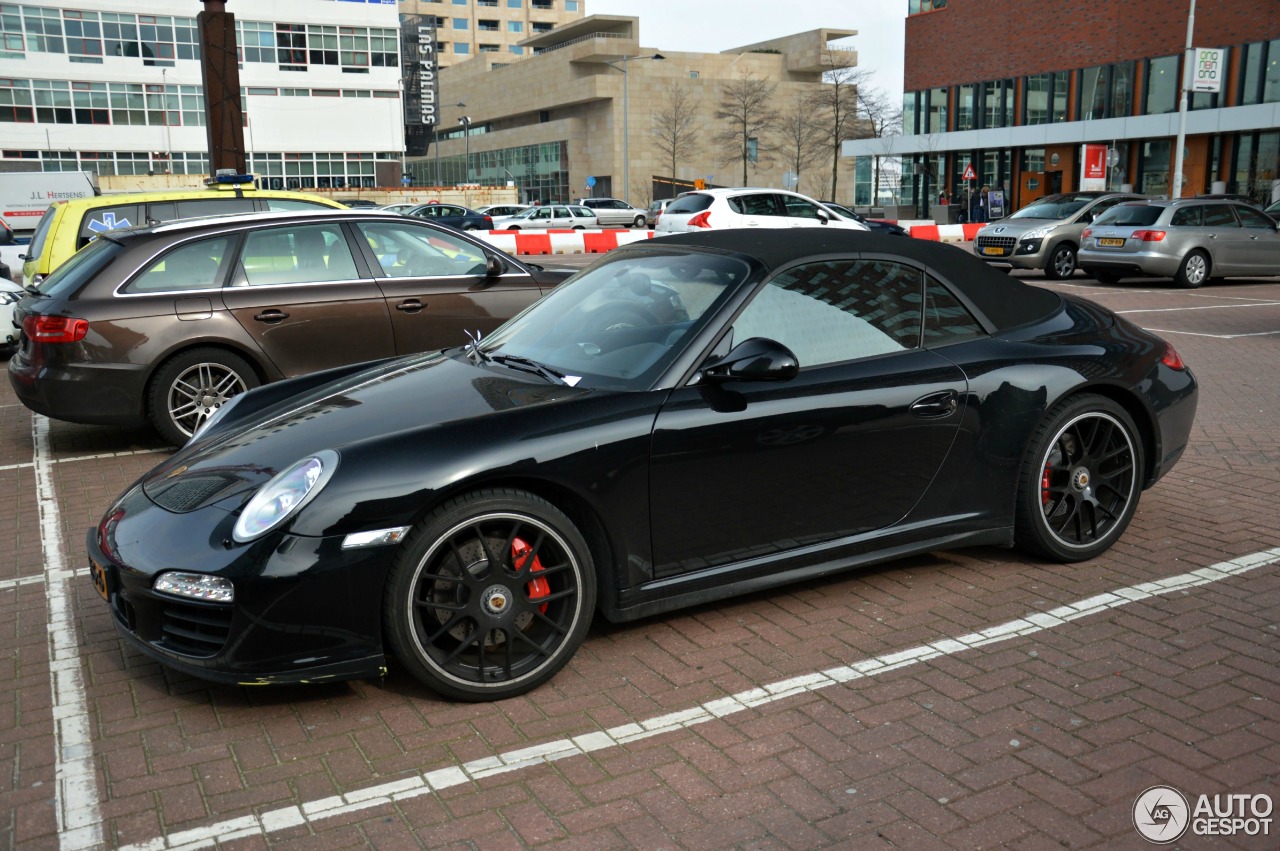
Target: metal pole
{"points": [[1187, 61], [626, 135]]}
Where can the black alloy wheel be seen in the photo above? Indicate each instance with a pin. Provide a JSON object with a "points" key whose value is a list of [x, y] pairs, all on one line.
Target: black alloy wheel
{"points": [[491, 596], [1081, 480]]}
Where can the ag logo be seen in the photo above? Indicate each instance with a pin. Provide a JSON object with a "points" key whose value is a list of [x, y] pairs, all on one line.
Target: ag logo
{"points": [[1161, 814]]}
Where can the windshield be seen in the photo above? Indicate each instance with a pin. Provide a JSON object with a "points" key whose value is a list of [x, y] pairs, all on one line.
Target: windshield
{"points": [[1130, 214], [41, 234], [1054, 207], [68, 278], [619, 324]]}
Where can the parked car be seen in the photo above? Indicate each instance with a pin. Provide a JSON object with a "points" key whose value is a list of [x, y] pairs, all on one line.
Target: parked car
{"points": [[452, 215], [166, 323], [1045, 234], [614, 212], [686, 419], [10, 294], [493, 211], [548, 216], [398, 208], [748, 208], [655, 211], [875, 225], [358, 203], [67, 226], [1190, 240], [1273, 210]]}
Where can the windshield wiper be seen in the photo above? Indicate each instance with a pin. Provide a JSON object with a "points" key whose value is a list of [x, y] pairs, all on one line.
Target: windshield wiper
{"points": [[525, 365]]}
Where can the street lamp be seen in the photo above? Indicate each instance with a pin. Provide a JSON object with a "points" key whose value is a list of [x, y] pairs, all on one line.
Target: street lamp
{"points": [[465, 121], [621, 65]]}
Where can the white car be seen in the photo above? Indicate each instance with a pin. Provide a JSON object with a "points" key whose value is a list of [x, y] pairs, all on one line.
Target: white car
{"points": [[548, 216], [613, 211], [397, 208], [748, 208], [10, 295], [498, 210]]}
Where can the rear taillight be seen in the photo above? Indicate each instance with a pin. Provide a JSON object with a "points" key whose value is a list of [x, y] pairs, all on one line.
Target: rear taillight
{"points": [[488, 221], [54, 329], [1149, 235], [702, 220], [1088, 232], [1172, 359]]}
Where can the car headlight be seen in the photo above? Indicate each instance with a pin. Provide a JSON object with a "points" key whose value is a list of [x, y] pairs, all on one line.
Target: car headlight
{"points": [[1038, 233], [285, 495], [195, 586]]}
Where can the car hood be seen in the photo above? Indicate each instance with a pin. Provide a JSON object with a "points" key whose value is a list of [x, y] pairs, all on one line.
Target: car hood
{"points": [[410, 398], [1017, 227]]}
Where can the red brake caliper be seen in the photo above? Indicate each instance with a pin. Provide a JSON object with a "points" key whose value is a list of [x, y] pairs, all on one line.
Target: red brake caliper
{"points": [[1045, 496], [538, 587]]}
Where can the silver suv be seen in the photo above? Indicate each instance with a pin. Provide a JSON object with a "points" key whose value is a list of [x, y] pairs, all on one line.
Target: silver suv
{"points": [[1045, 234], [612, 211]]}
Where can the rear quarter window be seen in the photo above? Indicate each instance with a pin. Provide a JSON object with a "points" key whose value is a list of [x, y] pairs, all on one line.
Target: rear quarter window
{"points": [[71, 277], [695, 203], [1131, 215]]}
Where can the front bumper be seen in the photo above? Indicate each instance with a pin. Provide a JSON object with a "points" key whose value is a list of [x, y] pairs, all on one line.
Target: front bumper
{"points": [[305, 610], [1011, 252]]}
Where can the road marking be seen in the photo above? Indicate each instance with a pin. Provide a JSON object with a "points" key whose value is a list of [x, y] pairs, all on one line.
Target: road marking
{"points": [[448, 777], [6, 584], [1213, 336], [76, 787], [26, 464], [1201, 307]]}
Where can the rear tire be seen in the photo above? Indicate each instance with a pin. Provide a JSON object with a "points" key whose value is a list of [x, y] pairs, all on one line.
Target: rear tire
{"points": [[639, 222], [189, 387], [1194, 270], [1106, 277], [1080, 482], [491, 596]]}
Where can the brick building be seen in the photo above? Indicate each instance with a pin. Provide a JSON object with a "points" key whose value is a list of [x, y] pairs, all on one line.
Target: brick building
{"points": [[1018, 91]]}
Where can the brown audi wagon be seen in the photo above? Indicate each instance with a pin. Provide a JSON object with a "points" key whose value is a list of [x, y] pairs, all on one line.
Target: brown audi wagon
{"points": [[165, 323]]}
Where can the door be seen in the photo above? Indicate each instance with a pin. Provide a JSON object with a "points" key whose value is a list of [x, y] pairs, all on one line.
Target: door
{"points": [[760, 210], [848, 446], [436, 287], [1262, 246], [298, 293], [1228, 242]]}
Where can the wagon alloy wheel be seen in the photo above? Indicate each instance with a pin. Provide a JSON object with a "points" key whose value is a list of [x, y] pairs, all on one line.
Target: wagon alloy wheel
{"points": [[1082, 480], [191, 387], [491, 597]]}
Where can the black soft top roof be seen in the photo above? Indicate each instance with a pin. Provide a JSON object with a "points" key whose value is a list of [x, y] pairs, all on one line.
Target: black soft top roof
{"points": [[1003, 301]]}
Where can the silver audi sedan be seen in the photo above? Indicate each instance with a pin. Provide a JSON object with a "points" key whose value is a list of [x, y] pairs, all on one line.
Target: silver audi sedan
{"points": [[1191, 240]]}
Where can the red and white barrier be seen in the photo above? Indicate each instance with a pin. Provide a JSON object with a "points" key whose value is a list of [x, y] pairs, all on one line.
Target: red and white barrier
{"points": [[944, 233]]}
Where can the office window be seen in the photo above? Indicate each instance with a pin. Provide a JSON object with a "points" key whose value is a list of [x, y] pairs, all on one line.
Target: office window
{"points": [[322, 43], [84, 35], [515, 26], [487, 25], [517, 50], [1162, 85], [1061, 80], [515, 4], [44, 29], [487, 48], [1036, 90], [461, 49], [1251, 73], [937, 111], [1271, 79], [353, 45], [1120, 99], [384, 47], [256, 41], [966, 119], [12, 45], [291, 46], [1093, 93], [571, 5], [461, 23], [910, 104]]}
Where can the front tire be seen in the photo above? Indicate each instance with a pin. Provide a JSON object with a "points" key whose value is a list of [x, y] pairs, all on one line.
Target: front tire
{"points": [[639, 222], [1062, 262], [491, 596], [191, 386], [1080, 481], [1194, 270]]}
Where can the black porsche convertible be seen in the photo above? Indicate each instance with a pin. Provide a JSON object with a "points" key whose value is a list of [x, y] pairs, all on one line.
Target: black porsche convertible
{"points": [[686, 419]]}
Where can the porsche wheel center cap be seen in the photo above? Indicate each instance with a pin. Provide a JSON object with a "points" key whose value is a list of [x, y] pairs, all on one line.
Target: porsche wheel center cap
{"points": [[1080, 479], [496, 599]]}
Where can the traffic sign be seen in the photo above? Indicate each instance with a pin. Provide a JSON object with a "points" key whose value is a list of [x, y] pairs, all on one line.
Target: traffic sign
{"points": [[969, 173], [591, 182]]}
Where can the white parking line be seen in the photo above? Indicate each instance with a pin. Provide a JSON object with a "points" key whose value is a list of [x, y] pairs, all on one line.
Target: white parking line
{"points": [[386, 794], [76, 788], [1201, 307], [1213, 336], [126, 452]]}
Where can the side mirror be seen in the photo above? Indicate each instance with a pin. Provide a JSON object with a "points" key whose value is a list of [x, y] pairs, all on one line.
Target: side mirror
{"points": [[494, 267], [756, 359], [824, 216]]}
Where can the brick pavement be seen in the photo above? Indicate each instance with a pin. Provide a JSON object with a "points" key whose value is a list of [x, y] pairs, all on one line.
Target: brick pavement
{"points": [[1037, 740]]}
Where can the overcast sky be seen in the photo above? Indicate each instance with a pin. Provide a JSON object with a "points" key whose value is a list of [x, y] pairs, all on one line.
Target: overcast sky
{"points": [[710, 26]]}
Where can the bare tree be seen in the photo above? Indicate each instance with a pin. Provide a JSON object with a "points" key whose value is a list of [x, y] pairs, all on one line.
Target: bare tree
{"points": [[675, 127], [744, 107], [835, 108], [799, 140]]}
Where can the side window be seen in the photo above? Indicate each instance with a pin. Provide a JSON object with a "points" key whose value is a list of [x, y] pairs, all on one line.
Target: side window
{"points": [[798, 208], [193, 266], [542, 213], [1252, 218], [297, 255], [758, 204], [1188, 217], [1219, 216], [213, 207], [946, 320], [837, 310], [103, 219], [406, 251], [284, 204]]}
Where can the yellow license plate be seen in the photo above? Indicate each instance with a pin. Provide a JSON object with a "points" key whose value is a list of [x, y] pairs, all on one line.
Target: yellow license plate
{"points": [[1110, 242], [993, 250], [99, 576]]}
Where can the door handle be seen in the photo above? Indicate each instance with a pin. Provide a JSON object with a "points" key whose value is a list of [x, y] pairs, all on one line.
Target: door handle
{"points": [[271, 316], [411, 305], [936, 405]]}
